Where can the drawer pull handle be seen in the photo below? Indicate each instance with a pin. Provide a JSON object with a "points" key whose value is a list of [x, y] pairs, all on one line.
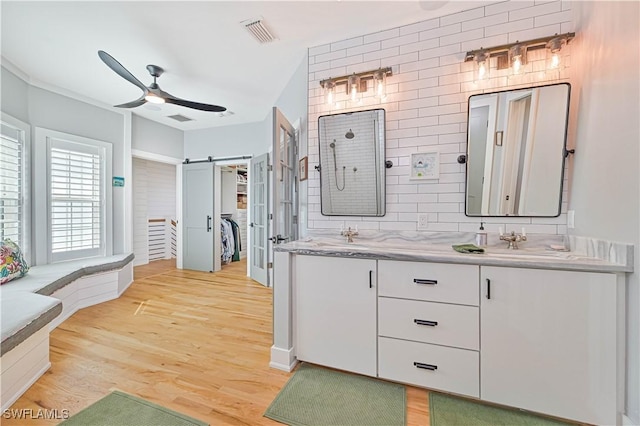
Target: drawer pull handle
{"points": [[488, 288], [425, 322], [425, 366], [421, 281]]}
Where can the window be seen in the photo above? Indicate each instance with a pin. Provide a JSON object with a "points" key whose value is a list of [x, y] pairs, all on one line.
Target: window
{"points": [[14, 208], [77, 217], [76, 198]]}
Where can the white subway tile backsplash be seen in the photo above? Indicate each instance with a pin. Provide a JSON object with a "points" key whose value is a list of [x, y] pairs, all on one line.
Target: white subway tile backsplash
{"points": [[487, 21], [364, 48], [345, 44], [440, 31], [420, 26], [331, 55], [399, 41], [384, 53], [382, 35], [530, 12], [462, 37], [552, 18], [509, 27], [507, 6], [319, 50], [427, 108], [534, 33], [419, 45], [440, 51], [467, 15]]}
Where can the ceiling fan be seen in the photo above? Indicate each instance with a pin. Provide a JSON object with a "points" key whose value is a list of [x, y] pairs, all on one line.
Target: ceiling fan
{"points": [[153, 93]]}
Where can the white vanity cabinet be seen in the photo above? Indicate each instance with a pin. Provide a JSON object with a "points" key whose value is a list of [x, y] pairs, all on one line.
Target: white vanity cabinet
{"points": [[336, 312], [429, 326], [545, 340], [549, 342]]}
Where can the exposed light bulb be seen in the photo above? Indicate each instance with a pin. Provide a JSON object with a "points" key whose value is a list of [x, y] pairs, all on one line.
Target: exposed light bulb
{"points": [[380, 84], [353, 84], [553, 53], [329, 91], [517, 65], [354, 93], [482, 70], [154, 99], [555, 60]]}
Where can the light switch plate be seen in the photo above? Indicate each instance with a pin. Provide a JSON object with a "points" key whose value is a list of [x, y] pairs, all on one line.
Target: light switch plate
{"points": [[423, 221]]}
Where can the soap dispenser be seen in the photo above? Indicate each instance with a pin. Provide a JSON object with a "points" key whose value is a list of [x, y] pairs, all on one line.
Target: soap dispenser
{"points": [[481, 236]]}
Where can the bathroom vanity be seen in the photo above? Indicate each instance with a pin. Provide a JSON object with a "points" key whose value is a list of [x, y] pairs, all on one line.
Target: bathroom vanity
{"points": [[533, 329]]}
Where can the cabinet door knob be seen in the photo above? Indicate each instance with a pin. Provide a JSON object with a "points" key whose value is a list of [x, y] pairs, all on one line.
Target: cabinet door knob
{"points": [[423, 281], [370, 279], [488, 288], [425, 322], [424, 366]]}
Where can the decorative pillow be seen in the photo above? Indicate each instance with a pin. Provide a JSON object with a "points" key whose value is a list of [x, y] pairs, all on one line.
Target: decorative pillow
{"points": [[12, 263]]}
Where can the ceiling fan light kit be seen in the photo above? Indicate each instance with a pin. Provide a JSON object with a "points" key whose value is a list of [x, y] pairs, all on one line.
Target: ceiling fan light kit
{"points": [[153, 93]]}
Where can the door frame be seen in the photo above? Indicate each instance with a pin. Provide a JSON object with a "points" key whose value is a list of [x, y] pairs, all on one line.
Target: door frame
{"points": [[245, 161], [146, 155]]}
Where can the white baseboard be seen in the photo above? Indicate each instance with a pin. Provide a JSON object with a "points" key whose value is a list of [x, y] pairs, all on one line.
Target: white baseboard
{"points": [[626, 421], [283, 359]]}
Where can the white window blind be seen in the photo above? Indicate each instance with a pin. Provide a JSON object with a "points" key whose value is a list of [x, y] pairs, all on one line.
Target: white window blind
{"points": [[11, 183], [76, 199]]}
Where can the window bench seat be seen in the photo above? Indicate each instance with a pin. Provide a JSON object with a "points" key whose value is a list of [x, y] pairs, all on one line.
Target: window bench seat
{"points": [[32, 306]]}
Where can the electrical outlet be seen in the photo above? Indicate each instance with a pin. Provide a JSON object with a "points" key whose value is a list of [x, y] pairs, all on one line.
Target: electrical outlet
{"points": [[571, 219], [423, 221]]}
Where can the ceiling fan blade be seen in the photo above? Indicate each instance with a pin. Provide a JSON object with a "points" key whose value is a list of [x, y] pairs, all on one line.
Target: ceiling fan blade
{"points": [[133, 104], [194, 105], [120, 70]]}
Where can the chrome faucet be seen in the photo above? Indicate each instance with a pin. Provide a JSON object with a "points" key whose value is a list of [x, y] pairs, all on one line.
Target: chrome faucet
{"points": [[513, 239], [349, 234]]}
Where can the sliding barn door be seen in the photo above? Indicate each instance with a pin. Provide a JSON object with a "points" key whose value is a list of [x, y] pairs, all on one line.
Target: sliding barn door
{"points": [[198, 217]]}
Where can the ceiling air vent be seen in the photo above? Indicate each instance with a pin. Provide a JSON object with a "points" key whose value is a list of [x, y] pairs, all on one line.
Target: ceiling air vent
{"points": [[180, 118], [258, 30]]}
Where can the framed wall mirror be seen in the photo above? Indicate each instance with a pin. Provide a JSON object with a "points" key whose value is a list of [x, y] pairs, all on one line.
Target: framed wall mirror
{"points": [[352, 163], [516, 142]]}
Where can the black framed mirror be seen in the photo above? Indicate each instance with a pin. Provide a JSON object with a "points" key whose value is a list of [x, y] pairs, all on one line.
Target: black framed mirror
{"points": [[516, 142], [352, 163]]}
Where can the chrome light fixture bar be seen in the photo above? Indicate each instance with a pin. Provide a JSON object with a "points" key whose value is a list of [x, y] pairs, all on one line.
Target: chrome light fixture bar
{"points": [[502, 52], [356, 83]]}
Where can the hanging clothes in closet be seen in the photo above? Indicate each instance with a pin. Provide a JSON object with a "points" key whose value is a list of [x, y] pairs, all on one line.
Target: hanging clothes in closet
{"points": [[230, 240]]}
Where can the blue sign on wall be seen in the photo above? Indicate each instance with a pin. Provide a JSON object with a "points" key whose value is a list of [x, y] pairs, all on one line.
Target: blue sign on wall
{"points": [[118, 181]]}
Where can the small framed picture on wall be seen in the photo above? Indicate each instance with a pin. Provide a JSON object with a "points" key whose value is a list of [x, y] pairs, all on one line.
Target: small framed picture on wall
{"points": [[303, 168], [425, 165]]}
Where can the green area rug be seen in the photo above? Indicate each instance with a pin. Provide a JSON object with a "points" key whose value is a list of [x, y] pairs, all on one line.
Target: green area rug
{"points": [[319, 396], [121, 409], [446, 410]]}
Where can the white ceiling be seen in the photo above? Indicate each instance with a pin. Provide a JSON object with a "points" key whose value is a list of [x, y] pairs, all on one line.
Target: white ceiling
{"points": [[208, 56]]}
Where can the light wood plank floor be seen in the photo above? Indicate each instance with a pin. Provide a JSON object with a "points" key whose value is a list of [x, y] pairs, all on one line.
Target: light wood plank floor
{"points": [[197, 343]]}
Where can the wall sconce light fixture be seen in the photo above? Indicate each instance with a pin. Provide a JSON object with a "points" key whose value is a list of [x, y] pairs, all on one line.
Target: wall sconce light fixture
{"points": [[481, 65], [514, 55], [354, 89], [356, 84]]}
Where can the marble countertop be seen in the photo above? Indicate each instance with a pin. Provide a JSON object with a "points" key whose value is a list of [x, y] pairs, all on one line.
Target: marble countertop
{"points": [[438, 249]]}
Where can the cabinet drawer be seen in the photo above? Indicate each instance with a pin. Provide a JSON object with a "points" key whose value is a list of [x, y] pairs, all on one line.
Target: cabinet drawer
{"points": [[439, 323], [456, 370], [429, 281]]}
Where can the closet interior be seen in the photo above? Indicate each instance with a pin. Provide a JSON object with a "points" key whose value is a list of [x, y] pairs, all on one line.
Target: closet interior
{"points": [[233, 223]]}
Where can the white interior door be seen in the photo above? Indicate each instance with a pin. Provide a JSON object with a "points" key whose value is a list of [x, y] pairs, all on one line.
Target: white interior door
{"points": [[283, 225], [198, 216], [259, 218]]}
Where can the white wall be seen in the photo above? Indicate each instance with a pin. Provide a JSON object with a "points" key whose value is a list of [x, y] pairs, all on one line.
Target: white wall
{"points": [[606, 180], [139, 182], [227, 141], [427, 107], [149, 136], [15, 93]]}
